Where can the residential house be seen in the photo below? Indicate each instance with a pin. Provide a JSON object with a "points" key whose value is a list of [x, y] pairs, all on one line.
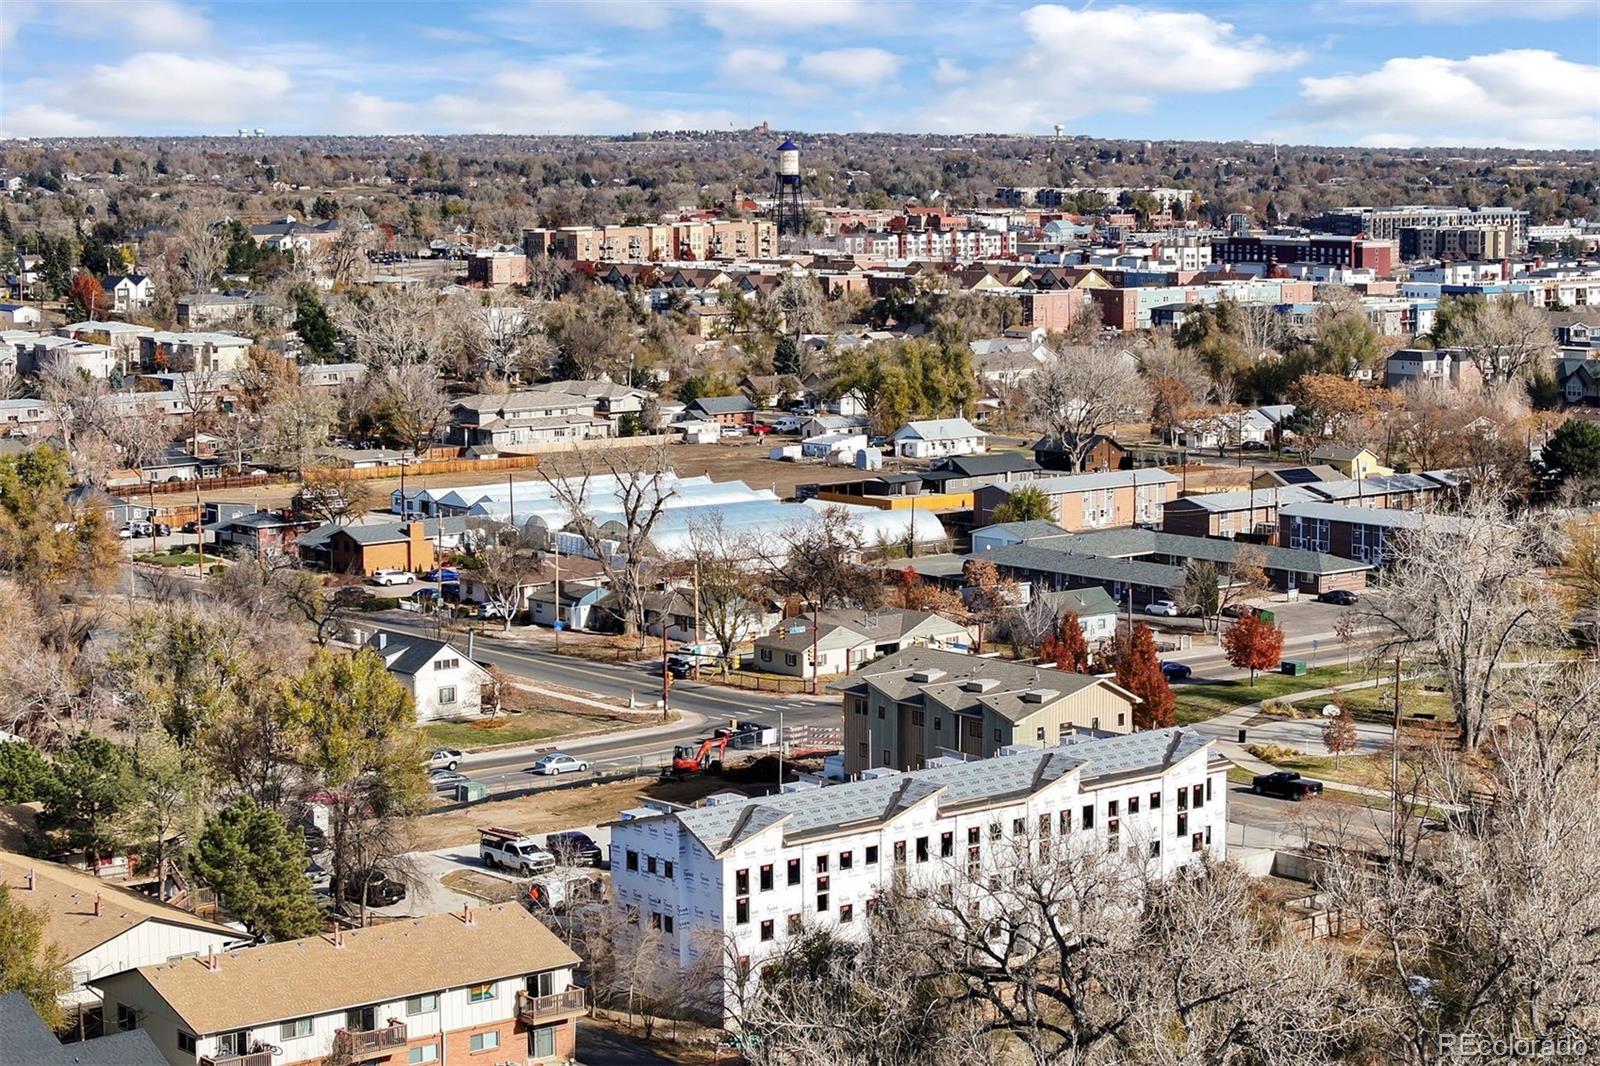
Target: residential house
{"points": [[567, 605], [202, 352], [128, 294], [1049, 567], [1449, 367], [13, 316], [536, 596], [939, 437], [101, 928], [772, 390], [1351, 460], [842, 640], [332, 375], [525, 417], [26, 1039], [441, 679], [1005, 534], [1090, 501], [366, 548], [916, 704], [823, 425], [1296, 475], [967, 473], [744, 877], [117, 511], [489, 985], [260, 534], [1058, 453], [723, 410], [1353, 532], [1097, 612]]}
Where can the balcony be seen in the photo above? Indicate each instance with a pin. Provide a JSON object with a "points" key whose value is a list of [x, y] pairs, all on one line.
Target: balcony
{"points": [[532, 1010], [350, 1045], [251, 1058]]}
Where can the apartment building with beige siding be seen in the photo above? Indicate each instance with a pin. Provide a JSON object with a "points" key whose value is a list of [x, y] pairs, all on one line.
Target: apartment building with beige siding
{"points": [[1107, 499]]}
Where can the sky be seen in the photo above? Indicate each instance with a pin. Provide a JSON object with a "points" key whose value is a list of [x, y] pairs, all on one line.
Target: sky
{"points": [[1390, 73]]}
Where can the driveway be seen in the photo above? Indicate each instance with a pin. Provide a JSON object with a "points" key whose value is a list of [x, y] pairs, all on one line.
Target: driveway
{"points": [[600, 1045]]}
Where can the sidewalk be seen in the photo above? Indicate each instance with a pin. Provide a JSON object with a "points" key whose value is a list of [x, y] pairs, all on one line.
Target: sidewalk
{"points": [[686, 722]]}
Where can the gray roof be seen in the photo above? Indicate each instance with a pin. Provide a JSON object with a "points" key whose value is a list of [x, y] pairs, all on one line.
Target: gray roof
{"points": [[939, 429], [406, 654], [1089, 567], [1245, 499], [1380, 485], [1029, 530], [388, 531], [1129, 543], [855, 804], [884, 624], [722, 405], [1102, 479], [1374, 516], [919, 674], [26, 1039], [986, 465], [1085, 603]]}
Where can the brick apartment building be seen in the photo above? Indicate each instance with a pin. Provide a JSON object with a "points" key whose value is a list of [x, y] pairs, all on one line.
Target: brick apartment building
{"points": [[1355, 253]]}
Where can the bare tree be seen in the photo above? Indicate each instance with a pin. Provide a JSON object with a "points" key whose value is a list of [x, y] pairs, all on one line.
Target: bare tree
{"points": [[633, 486], [411, 404], [724, 569], [344, 258], [504, 566], [394, 326], [334, 494], [295, 422], [202, 252], [1081, 391], [1505, 339]]}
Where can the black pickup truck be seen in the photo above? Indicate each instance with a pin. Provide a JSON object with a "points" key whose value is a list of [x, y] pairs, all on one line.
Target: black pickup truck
{"points": [[1285, 784]]}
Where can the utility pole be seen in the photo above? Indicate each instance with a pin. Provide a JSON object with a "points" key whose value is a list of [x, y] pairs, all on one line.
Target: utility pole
{"points": [[511, 500], [1394, 770], [557, 543], [666, 675], [780, 750]]}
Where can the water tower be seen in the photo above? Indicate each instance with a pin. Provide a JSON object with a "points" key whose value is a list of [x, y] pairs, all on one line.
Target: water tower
{"points": [[786, 193]]}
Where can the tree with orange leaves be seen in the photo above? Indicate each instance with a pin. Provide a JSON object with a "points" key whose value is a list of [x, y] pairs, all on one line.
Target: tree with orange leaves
{"points": [[1139, 671], [85, 297], [1067, 647], [1253, 643]]}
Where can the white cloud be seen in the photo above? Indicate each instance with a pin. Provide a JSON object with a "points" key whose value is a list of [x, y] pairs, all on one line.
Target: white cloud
{"points": [[42, 120], [752, 68], [1082, 61], [1465, 10], [164, 90], [949, 72], [743, 16], [1519, 97], [852, 66]]}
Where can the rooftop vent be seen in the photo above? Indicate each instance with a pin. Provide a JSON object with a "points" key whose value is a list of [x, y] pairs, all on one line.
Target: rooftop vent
{"points": [[980, 684], [924, 676], [1039, 695]]}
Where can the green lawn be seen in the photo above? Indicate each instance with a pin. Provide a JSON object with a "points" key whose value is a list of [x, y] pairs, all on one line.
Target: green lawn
{"points": [[186, 558], [1196, 703], [472, 736], [1377, 704]]}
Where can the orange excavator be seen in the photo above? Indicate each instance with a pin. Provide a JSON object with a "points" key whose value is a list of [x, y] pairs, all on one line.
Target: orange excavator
{"points": [[698, 757]]}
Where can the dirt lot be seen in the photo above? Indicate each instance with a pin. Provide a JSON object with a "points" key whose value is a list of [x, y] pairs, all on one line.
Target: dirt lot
{"points": [[544, 812]]}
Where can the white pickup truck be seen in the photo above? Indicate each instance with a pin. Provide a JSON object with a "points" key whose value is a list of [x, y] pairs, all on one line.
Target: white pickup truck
{"points": [[515, 851]]}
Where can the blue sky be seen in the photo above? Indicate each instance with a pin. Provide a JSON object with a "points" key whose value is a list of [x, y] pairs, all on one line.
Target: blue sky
{"points": [[1519, 73]]}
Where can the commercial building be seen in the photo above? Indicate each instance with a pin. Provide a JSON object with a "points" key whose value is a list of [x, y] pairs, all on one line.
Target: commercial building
{"points": [[921, 703], [1357, 253], [489, 985], [758, 871], [1385, 223], [1101, 500]]}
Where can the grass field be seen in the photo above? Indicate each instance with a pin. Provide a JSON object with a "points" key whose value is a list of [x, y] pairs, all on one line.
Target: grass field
{"points": [[520, 727], [1196, 703], [186, 558]]}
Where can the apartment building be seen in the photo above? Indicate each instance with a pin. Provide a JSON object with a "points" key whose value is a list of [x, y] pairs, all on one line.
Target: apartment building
{"points": [[1101, 500], [1451, 367], [1354, 532], [482, 986], [920, 703], [1386, 223], [204, 352], [657, 242], [759, 870], [94, 360], [1455, 242], [1357, 253]]}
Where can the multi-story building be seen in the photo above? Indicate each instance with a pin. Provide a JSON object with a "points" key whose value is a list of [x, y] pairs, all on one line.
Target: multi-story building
{"points": [[1379, 256], [491, 986], [1450, 367], [1354, 532], [1101, 500], [920, 703], [757, 871], [1385, 223], [527, 416], [1455, 242], [716, 239], [203, 352]]}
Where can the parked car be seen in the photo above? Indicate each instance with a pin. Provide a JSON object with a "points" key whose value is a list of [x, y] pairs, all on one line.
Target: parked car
{"points": [[442, 574], [760, 429], [678, 666], [443, 779], [316, 840], [804, 410], [574, 848], [377, 887], [556, 893], [163, 530], [125, 533], [191, 527], [507, 848], [1176, 671], [558, 763], [1237, 610], [1255, 446], [1285, 784], [733, 431], [1163, 607], [393, 577], [1341, 597], [444, 759], [491, 610], [787, 424]]}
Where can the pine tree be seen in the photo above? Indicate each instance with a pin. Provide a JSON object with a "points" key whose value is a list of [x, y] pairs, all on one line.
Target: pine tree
{"points": [[1067, 647], [1253, 643], [786, 357], [258, 867], [94, 793], [1139, 671]]}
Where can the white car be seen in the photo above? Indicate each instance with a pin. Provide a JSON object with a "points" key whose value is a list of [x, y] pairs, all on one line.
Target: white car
{"points": [[1163, 607], [444, 759], [393, 577], [557, 763]]}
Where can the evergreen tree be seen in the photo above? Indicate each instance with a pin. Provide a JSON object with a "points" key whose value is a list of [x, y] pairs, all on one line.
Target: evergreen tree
{"points": [[94, 793], [1571, 453], [1139, 671], [258, 867], [312, 322], [786, 357], [25, 775]]}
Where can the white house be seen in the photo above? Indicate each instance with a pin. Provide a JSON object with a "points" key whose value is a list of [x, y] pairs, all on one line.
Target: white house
{"points": [[847, 638], [103, 929], [824, 425], [489, 985], [937, 437], [205, 352], [761, 869], [14, 315], [442, 680], [95, 360], [128, 293]]}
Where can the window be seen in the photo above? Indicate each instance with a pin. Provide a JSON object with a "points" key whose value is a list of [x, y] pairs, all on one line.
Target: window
{"points": [[918, 718], [422, 1004], [1208, 834], [938, 724], [766, 930], [185, 1042], [295, 1030], [766, 878], [1155, 801], [1208, 788], [822, 864], [425, 1053], [766, 655], [481, 993], [666, 923], [847, 913], [1113, 828], [544, 1041], [972, 835], [484, 1041], [994, 830], [1133, 804], [650, 864], [1111, 808], [1088, 816], [447, 694], [846, 860], [1122, 718], [1199, 793], [947, 845], [822, 894], [1066, 822], [885, 761], [872, 854], [1018, 827], [880, 710], [127, 1017], [633, 860], [666, 868], [997, 736], [975, 728], [1183, 825], [794, 871], [1044, 827], [741, 911], [655, 920], [741, 882], [1197, 841], [922, 849], [794, 924], [789, 659], [1038, 734], [861, 749], [1183, 799], [1155, 849], [448, 664], [899, 852]]}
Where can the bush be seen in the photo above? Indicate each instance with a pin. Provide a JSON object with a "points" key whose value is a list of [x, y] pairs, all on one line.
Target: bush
{"points": [[1272, 752], [25, 776]]}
